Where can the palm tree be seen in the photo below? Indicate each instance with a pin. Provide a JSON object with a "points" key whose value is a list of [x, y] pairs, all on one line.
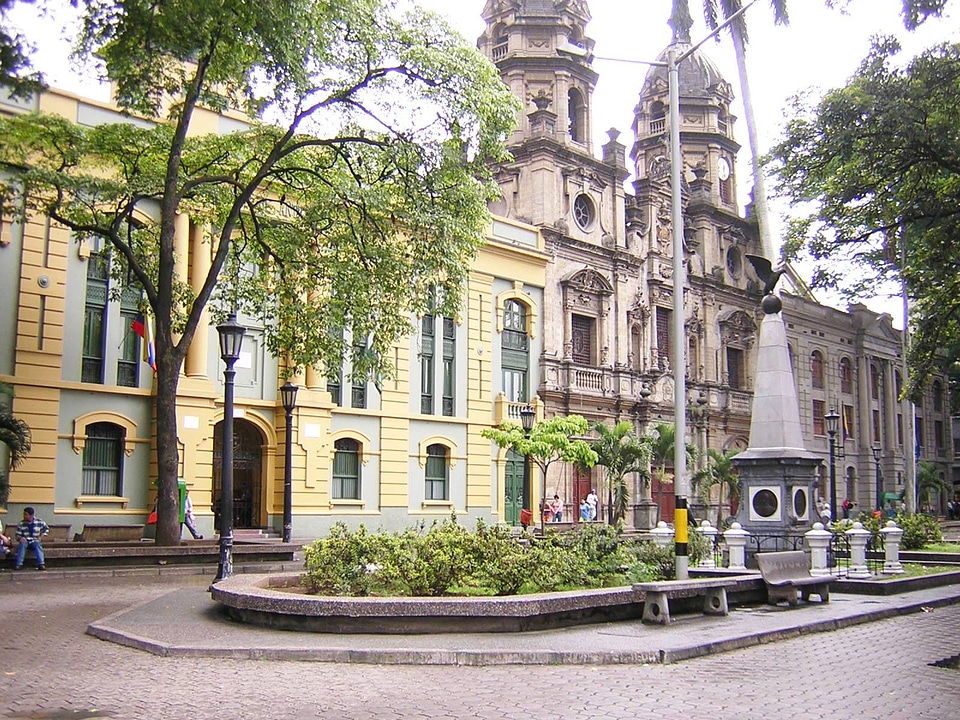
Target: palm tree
{"points": [[738, 31], [15, 435], [720, 470], [662, 452], [931, 484], [621, 452]]}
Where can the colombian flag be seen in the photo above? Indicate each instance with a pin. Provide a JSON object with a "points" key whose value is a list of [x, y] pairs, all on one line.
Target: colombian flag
{"points": [[143, 326]]}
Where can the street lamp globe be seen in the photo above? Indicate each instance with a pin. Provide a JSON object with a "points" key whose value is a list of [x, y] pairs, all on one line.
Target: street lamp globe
{"points": [[527, 417], [231, 338], [288, 396]]}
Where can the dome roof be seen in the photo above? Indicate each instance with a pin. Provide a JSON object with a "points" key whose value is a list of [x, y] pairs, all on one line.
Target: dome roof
{"points": [[699, 76]]}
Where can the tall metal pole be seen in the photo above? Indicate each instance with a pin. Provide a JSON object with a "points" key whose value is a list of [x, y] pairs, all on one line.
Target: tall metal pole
{"points": [[287, 480], [231, 339], [877, 451], [680, 481], [833, 476], [225, 567]]}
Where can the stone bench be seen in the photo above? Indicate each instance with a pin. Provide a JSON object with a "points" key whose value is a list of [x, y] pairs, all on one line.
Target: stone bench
{"points": [[657, 596], [57, 534], [109, 533], [786, 573]]}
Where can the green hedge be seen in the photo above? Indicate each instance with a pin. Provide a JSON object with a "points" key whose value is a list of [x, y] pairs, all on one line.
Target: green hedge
{"points": [[447, 559]]}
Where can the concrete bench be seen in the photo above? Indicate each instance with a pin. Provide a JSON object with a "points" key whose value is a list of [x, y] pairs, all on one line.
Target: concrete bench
{"points": [[786, 573], [58, 534], [657, 595], [109, 533]]}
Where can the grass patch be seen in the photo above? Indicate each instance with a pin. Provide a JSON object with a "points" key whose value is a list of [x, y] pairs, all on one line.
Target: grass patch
{"points": [[944, 547], [918, 570]]}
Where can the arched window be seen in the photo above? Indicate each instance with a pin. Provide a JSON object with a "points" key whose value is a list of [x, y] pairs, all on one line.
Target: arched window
{"points": [[816, 369], [436, 475], [346, 470], [658, 118], [576, 110], [846, 376], [515, 349], [103, 460]]}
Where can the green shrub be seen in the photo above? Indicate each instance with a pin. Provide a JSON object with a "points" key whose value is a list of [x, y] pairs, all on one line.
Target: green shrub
{"points": [[345, 563], [501, 564], [649, 561], [449, 559], [918, 531]]}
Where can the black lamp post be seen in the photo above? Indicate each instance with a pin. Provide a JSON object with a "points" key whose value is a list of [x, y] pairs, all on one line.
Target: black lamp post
{"points": [[832, 419], [288, 395], [527, 418], [231, 338], [877, 451]]}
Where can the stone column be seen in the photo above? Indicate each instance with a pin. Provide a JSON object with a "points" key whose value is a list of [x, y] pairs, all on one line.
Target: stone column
{"points": [[662, 534], [736, 540], [858, 551], [196, 363], [892, 535], [710, 533], [818, 540]]}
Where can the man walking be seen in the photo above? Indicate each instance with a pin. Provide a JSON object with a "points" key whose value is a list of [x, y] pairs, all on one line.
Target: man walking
{"points": [[29, 532]]}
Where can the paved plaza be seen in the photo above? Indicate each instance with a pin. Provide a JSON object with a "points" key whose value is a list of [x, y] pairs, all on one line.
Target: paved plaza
{"points": [[53, 669]]}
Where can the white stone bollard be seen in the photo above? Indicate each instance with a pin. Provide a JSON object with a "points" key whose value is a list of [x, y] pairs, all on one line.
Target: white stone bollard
{"points": [[662, 534], [858, 538], [892, 535], [736, 540], [818, 540], [710, 533]]}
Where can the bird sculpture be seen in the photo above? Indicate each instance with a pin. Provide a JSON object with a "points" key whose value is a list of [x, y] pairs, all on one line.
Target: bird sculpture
{"points": [[768, 273]]}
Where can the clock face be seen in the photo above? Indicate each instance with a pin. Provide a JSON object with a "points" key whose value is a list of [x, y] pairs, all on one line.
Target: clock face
{"points": [[723, 169]]}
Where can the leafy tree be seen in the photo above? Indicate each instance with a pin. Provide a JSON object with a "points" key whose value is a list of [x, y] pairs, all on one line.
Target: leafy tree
{"points": [[549, 441], [915, 12], [16, 71], [720, 471], [620, 452], [16, 438], [359, 185], [877, 162]]}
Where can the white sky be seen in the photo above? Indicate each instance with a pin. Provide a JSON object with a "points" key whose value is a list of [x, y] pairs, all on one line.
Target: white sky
{"points": [[820, 48]]}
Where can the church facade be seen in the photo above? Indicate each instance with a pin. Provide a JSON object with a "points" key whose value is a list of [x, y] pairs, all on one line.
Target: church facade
{"points": [[608, 299]]}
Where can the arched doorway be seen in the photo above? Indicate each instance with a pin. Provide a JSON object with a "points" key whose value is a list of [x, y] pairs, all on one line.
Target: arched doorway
{"points": [[247, 474]]}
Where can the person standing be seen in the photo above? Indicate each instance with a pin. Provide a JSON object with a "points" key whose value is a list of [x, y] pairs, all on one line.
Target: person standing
{"points": [[556, 507], [593, 500], [29, 532], [188, 518]]}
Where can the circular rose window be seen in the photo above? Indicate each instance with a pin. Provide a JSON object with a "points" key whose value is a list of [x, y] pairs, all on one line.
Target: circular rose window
{"points": [[584, 212]]}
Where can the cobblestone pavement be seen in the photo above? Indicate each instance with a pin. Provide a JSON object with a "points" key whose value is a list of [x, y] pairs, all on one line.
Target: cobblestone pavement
{"points": [[52, 670]]}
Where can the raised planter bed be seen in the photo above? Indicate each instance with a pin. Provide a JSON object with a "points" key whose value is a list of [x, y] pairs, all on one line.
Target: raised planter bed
{"points": [[275, 601]]}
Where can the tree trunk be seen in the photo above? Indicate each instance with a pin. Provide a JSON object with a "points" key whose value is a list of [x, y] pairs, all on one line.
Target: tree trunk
{"points": [[760, 207], [168, 457]]}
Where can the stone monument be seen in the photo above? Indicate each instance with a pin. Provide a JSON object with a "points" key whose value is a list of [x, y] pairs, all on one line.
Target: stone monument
{"points": [[777, 474]]}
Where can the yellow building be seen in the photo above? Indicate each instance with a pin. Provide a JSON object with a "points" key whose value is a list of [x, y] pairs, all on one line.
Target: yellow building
{"points": [[384, 456]]}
